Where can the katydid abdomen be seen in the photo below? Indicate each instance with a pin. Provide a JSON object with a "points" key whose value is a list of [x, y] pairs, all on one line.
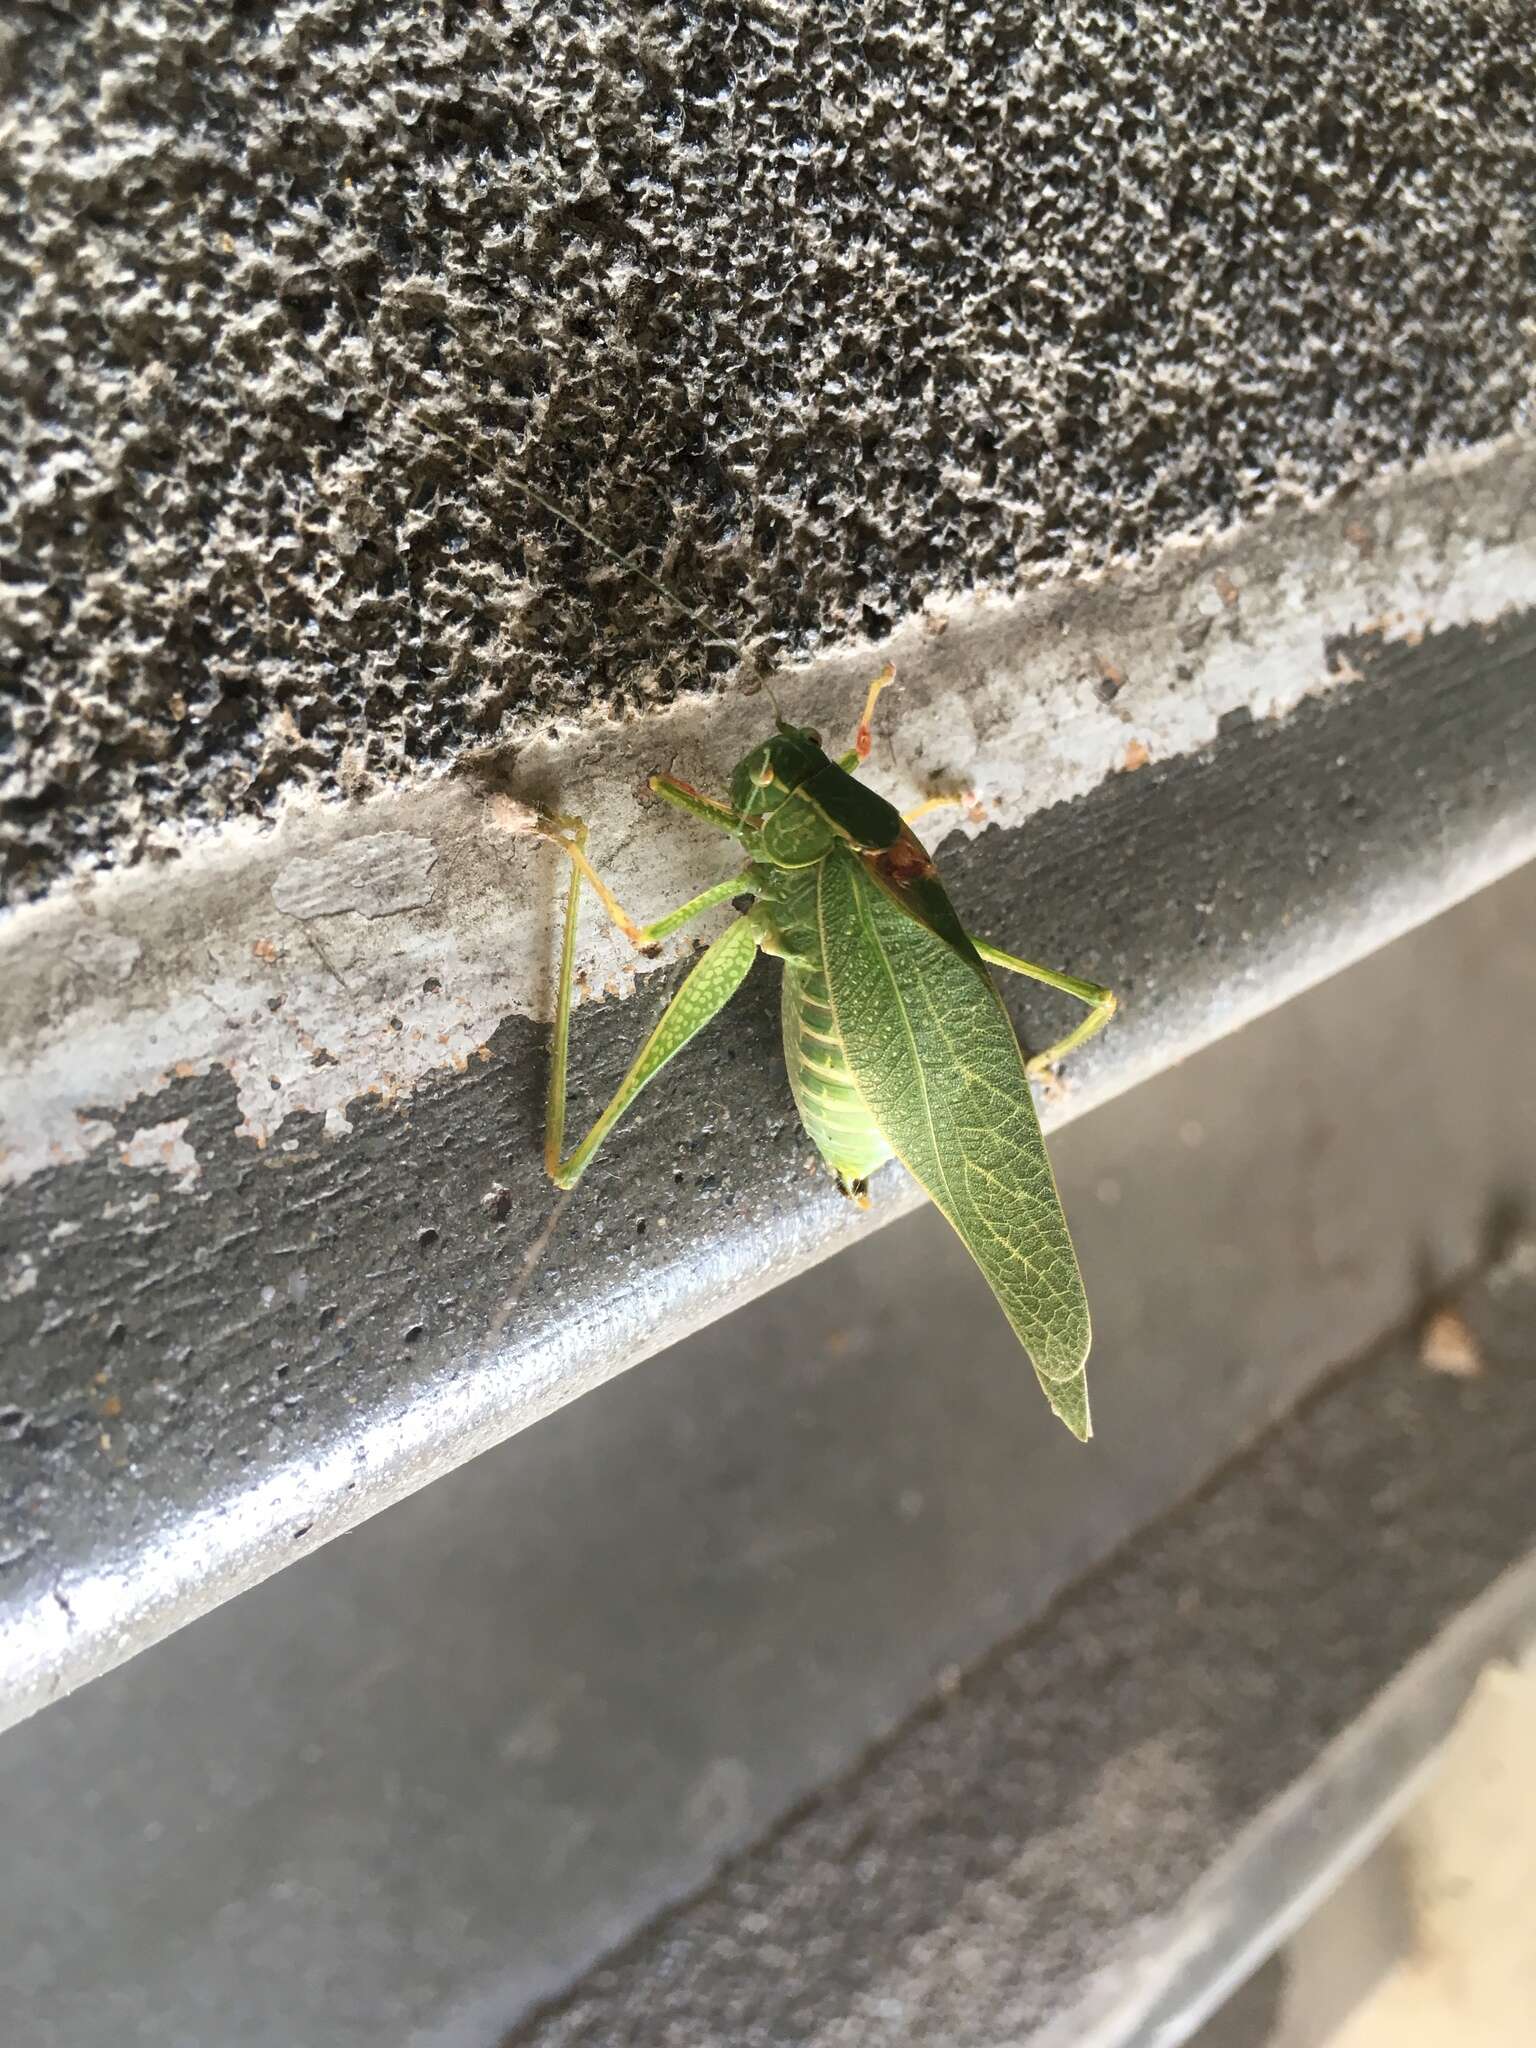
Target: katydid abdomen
{"points": [[836, 1116]]}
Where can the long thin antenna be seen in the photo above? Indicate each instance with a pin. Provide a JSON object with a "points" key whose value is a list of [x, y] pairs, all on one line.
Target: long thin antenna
{"points": [[606, 547], [624, 561]]}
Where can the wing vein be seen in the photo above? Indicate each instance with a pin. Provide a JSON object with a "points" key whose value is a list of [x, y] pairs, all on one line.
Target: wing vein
{"points": [[906, 1021]]}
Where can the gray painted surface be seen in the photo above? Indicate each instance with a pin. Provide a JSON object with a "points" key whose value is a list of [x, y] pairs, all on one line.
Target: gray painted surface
{"points": [[202, 1383], [823, 313], [427, 1774], [1036, 1859]]}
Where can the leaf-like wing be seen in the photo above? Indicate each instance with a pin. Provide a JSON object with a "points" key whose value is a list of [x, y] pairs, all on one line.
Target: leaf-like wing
{"points": [[934, 1054]]}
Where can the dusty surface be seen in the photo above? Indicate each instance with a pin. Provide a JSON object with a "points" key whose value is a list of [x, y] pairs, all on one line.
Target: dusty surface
{"points": [[1016, 1858], [824, 318], [1430, 1939], [1467, 1858]]}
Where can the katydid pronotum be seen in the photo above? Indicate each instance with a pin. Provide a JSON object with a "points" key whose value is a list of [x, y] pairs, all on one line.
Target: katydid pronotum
{"points": [[896, 1040]]}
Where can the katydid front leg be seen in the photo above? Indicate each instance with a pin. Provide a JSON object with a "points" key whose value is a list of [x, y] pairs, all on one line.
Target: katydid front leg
{"points": [[864, 738], [684, 797], [570, 835], [864, 741]]}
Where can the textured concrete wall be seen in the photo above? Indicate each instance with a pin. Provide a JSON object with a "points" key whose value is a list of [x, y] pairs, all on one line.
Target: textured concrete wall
{"points": [[820, 311]]}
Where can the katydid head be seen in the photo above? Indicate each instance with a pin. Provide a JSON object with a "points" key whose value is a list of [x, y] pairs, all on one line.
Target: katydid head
{"points": [[775, 770], [773, 826]]}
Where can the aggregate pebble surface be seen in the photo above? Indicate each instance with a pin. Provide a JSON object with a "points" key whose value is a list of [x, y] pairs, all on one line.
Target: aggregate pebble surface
{"points": [[818, 313]]}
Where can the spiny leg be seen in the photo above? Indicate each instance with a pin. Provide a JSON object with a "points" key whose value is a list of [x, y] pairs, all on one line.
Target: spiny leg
{"points": [[962, 799], [864, 741], [864, 738], [1102, 1003], [859, 752], [715, 978]]}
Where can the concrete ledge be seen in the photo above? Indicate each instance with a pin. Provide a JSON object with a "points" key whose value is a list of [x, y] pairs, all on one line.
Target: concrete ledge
{"points": [[210, 1372]]}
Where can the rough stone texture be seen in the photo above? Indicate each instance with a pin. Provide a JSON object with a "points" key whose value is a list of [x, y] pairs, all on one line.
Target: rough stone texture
{"points": [[818, 313]]}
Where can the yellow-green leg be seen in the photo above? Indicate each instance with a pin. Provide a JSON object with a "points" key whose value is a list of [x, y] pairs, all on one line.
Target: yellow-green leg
{"points": [[864, 738], [952, 800], [712, 982], [570, 835], [684, 797], [1102, 1001]]}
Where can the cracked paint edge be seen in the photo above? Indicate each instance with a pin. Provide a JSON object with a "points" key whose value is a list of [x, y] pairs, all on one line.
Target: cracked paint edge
{"points": [[356, 949]]}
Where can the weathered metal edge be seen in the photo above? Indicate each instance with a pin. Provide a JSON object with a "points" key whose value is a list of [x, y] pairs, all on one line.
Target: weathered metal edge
{"points": [[1282, 1867], [1364, 813]]}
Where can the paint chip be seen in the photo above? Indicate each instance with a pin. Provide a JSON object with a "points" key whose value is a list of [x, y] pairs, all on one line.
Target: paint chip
{"points": [[163, 1148], [18, 1275], [1447, 1345]]}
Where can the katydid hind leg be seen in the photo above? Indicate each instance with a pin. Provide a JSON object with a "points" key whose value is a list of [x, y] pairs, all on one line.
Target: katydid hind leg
{"points": [[713, 979], [710, 985], [1102, 1002]]}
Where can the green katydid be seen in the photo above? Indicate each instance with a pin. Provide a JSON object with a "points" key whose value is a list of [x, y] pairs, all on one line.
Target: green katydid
{"points": [[896, 1040]]}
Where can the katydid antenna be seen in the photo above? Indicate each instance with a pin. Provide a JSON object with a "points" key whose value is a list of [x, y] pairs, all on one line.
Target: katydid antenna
{"points": [[624, 561]]}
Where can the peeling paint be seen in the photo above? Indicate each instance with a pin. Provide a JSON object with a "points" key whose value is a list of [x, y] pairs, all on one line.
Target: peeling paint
{"points": [[163, 1148], [18, 1275], [377, 875], [319, 962]]}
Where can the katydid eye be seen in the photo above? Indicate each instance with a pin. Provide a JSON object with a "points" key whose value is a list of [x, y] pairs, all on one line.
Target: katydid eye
{"points": [[814, 738], [763, 775]]}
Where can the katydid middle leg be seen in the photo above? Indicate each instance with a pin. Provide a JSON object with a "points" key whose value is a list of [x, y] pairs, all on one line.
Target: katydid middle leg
{"points": [[951, 800], [710, 984], [1102, 1002]]}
